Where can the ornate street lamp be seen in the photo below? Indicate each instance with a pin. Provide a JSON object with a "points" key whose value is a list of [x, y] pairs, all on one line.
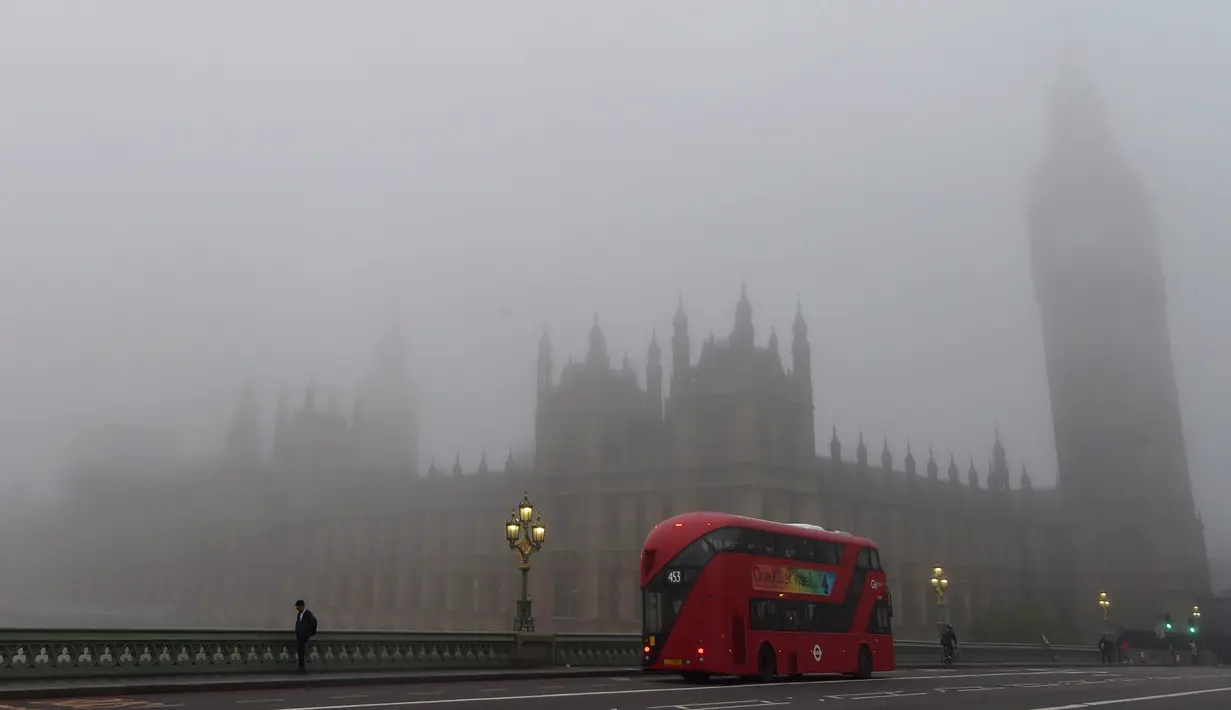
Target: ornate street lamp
{"points": [[525, 538], [1197, 613], [940, 585], [1104, 603]]}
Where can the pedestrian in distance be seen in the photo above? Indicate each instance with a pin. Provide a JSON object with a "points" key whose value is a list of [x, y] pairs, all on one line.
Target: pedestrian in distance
{"points": [[305, 629]]}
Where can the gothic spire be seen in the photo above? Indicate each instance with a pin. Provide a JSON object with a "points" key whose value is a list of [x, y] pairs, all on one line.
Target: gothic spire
{"points": [[743, 335], [799, 328], [597, 355]]}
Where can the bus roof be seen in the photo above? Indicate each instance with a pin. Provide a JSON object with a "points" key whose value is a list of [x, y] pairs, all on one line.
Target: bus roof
{"points": [[701, 520]]}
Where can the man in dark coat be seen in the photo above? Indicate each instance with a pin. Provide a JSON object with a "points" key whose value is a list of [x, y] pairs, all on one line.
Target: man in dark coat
{"points": [[305, 629]]}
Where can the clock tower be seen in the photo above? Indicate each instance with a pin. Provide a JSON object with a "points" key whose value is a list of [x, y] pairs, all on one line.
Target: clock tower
{"points": [[1098, 277]]}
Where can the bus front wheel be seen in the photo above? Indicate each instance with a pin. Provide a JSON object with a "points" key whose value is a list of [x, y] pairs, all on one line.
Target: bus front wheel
{"points": [[767, 664], [864, 669]]}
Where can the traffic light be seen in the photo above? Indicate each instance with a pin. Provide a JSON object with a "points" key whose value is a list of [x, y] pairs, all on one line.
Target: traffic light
{"points": [[1192, 625], [1167, 622]]}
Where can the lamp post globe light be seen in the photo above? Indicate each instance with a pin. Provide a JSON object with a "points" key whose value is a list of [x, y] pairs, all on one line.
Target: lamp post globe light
{"points": [[525, 533], [1104, 603], [940, 584]]}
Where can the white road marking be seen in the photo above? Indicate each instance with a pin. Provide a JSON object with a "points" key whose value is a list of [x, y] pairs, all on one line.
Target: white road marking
{"points": [[1143, 698], [640, 691], [720, 705], [263, 700], [882, 695], [346, 697]]}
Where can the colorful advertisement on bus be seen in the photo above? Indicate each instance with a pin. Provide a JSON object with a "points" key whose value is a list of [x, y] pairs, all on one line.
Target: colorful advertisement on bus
{"points": [[792, 580]]}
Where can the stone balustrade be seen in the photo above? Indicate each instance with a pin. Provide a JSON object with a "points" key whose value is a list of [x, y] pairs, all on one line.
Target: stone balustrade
{"points": [[65, 653]]}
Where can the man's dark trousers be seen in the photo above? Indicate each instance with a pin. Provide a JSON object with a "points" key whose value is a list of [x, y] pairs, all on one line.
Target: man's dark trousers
{"points": [[301, 650]]}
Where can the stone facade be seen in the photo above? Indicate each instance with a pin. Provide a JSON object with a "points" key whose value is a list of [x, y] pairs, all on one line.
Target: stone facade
{"points": [[229, 546], [339, 516]]}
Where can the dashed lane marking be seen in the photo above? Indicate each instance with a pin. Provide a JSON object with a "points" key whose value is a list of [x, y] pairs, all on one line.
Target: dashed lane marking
{"points": [[721, 705], [883, 695], [104, 703], [261, 700]]}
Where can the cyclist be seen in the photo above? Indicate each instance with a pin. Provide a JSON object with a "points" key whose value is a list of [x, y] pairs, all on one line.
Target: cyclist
{"points": [[948, 641]]}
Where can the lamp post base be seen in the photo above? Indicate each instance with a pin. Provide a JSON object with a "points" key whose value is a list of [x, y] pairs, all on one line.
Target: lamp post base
{"points": [[524, 621]]}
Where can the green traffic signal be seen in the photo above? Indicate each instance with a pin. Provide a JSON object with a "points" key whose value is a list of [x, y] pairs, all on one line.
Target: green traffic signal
{"points": [[1192, 629]]}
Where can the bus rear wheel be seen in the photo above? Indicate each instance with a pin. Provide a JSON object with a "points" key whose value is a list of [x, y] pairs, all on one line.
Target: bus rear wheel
{"points": [[695, 677], [767, 664]]}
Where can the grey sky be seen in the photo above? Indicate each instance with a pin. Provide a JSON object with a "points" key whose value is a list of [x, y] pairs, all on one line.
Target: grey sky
{"points": [[196, 193]]}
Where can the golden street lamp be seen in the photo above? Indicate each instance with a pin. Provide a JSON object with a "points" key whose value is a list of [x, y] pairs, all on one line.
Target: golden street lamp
{"points": [[1197, 612], [525, 533], [1104, 603], [940, 585]]}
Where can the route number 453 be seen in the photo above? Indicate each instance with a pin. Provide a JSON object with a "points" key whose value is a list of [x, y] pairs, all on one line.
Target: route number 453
{"points": [[674, 576]]}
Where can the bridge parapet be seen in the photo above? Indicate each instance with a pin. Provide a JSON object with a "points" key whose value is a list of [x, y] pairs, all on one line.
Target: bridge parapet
{"points": [[60, 653], [66, 654]]}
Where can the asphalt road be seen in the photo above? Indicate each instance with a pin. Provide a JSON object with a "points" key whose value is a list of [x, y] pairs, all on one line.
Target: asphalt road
{"points": [[1138, 688]]}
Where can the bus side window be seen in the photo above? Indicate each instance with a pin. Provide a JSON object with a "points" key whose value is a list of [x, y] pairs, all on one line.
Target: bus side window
{"points": [[792, 620], [760, 543], [725, 540], [874, 558], [749, 541], [764, 615], [787, 547], [807, 549], [864, 560], [826, 553]]}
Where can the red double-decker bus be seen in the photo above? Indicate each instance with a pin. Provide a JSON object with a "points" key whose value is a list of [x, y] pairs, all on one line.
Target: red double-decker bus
{"points": [[728, 595]]}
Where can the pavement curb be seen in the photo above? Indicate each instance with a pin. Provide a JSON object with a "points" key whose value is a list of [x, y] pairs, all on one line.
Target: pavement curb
{"points": [[207, 684], [152, 686]]}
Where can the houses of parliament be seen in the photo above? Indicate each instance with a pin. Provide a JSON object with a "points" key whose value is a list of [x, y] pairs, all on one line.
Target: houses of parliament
{"points": [[340, 512]]}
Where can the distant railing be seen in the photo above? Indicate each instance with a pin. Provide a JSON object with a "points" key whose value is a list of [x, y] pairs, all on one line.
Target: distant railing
{"points": [[63, 653]]}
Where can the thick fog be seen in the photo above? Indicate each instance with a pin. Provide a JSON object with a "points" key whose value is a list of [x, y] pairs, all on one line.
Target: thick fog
{"points": [[195, 196]]}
